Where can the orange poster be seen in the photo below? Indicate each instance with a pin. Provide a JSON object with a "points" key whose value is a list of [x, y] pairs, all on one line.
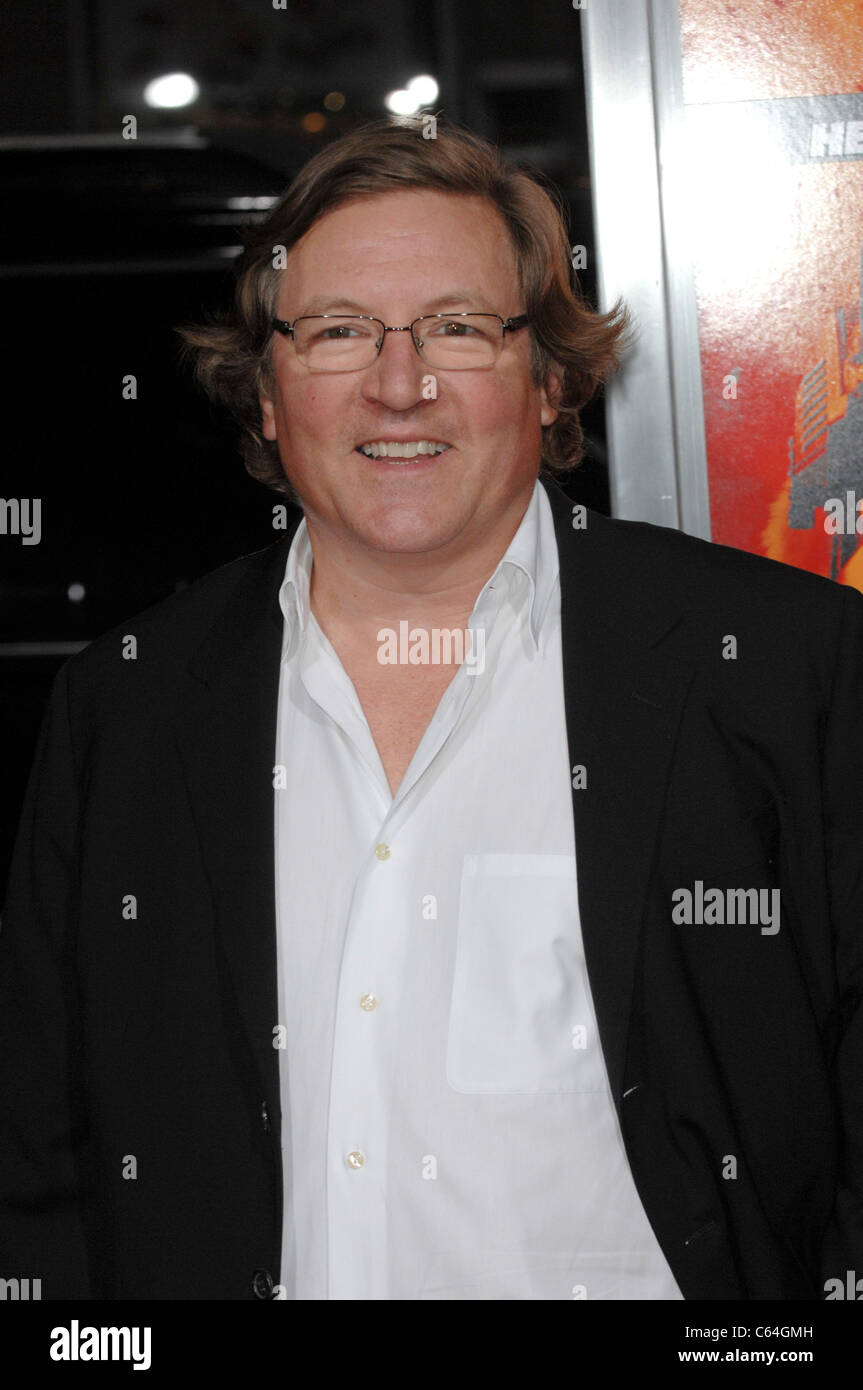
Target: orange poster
{"points": [[773, 100]]}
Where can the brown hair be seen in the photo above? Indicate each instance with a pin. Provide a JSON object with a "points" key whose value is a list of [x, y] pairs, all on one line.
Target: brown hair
{"points": [[232, 353]]}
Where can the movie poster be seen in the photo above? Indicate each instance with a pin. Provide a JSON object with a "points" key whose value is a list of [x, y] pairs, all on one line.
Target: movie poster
{"points": [[773, 103]]}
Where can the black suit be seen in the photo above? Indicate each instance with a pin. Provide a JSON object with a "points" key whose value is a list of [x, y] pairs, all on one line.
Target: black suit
{"points": [[151, 1036]]}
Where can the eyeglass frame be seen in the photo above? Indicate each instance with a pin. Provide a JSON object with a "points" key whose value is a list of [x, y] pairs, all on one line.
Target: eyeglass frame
{"points": [[510, 325]]}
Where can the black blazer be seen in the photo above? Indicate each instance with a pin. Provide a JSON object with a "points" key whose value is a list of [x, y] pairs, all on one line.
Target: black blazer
{"points": [[136, 1037]]}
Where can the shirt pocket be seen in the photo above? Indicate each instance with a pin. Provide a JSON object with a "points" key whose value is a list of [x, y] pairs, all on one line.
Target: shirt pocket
{"points": [[521, 1018]]}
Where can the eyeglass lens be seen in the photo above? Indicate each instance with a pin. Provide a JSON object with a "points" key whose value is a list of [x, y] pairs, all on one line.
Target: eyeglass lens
{"points": [[348, 343]]}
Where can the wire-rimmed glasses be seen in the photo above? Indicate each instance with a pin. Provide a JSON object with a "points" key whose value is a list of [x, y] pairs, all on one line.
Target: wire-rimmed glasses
{"points": [[447, 342]]}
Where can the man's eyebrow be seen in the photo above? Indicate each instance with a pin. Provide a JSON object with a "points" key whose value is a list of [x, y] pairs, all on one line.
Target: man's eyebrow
{"points": [[326, 304], [449, 301]]}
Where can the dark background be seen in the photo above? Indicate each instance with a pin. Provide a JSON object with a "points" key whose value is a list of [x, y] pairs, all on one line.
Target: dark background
{"points": [[108, 244]]}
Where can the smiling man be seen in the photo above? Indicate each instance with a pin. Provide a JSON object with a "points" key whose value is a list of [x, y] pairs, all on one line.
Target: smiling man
{"points": [[412, 489], [330, 976]]}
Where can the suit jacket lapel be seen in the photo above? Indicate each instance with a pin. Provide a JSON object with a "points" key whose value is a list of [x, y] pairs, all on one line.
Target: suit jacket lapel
{"points": [[226, 736], [623, 705]]}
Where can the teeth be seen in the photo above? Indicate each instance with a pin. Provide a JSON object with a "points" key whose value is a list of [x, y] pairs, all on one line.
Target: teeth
{"points": [[408, 450]]}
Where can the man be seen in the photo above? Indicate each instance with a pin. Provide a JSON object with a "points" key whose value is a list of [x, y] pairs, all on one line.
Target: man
{"points": [[331, 969]]}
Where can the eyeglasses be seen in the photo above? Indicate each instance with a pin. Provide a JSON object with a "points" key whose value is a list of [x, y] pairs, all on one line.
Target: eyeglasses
{"points": [[350, 342]]}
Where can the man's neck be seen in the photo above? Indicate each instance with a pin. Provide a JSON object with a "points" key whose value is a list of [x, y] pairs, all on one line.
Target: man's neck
{"points": [[358, 593]]}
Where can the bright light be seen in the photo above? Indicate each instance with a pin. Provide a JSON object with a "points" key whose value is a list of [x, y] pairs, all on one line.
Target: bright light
{"points": [[402, 102], [424, 88], [174, 89], [736, 201], [420, 91]]}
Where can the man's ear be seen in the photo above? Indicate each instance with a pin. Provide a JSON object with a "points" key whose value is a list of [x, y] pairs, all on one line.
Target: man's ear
{"points": [[549, 394], [268, 415]]}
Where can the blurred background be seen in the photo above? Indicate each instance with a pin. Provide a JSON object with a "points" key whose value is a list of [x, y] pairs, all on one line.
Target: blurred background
{"points": [[111, 242]]}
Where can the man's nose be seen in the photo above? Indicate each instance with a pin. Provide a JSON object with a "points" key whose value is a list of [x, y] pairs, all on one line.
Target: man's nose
{"points": [[396, 377]]}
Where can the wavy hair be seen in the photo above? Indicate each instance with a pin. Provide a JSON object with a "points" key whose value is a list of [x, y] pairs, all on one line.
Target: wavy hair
{"points": [[231, 353]]}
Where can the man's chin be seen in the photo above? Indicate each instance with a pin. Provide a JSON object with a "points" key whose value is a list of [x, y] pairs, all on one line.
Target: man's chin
{"points": [[405, 536]]}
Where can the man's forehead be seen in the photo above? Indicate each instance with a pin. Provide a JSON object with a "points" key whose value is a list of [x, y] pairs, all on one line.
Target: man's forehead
{"points": [[332, 303], [449, 246], [379, 208]]}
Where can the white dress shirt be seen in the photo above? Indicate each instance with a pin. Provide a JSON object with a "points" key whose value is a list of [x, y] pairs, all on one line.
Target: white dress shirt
{"points": [[448, 1128]]}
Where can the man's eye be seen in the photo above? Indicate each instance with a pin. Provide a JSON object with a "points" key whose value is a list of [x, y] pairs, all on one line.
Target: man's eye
{"points": [[337, 331], [455, 328]]}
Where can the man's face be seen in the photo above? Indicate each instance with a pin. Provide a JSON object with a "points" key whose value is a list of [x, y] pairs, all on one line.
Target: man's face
{"points": [[396, 256]]}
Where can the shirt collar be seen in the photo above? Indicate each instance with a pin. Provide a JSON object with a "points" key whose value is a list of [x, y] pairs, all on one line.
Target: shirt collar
{"points": [[532, 552]]}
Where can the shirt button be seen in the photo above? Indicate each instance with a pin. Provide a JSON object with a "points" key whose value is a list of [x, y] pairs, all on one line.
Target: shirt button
{"points": [[355, 1159], [382, 851], [368, 1002], [262, 1283]]}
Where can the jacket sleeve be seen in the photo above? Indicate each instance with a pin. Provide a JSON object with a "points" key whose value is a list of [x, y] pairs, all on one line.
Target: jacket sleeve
{"points": [[842, 1246], [42, 1122]]}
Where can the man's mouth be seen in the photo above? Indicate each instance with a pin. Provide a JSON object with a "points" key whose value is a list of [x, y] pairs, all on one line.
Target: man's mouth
{"points": [[401, 450]]}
